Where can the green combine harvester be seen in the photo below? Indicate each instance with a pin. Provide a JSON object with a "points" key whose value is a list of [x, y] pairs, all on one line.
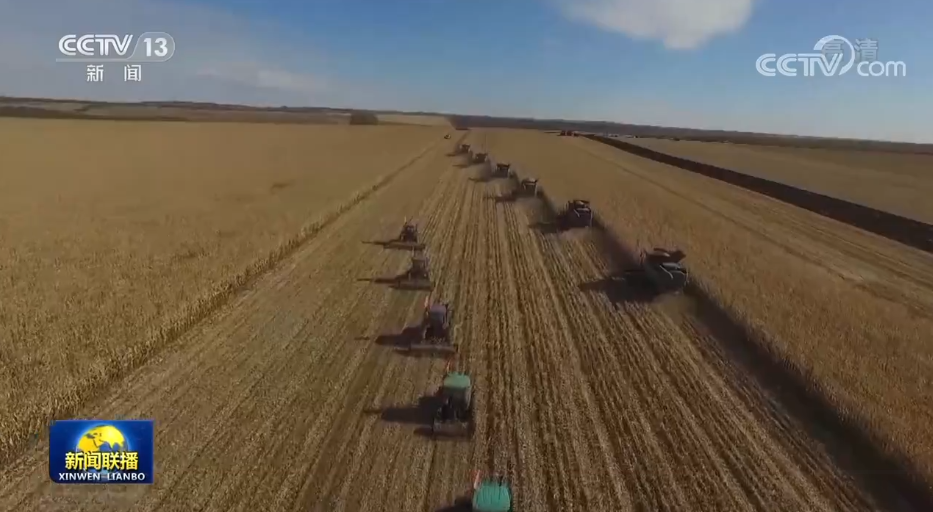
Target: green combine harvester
{"points": [[490, 494], [454, 417]]}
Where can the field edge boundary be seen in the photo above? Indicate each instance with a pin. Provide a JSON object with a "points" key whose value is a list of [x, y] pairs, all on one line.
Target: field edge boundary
{"points": [[174, 326], [910, 232]]}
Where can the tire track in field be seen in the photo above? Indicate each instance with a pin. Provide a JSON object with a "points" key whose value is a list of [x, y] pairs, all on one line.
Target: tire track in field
{"points": [[579, 473], [514, 441], [451, 459], [332, 472], [204, 384], [415, 378]]}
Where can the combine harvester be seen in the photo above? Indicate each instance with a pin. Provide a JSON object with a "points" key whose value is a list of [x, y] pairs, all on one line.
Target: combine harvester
{"points": [[435, 334], [576, 214], [502, 170], [464, 149], [528, 187], [417, 277], [490, 494], [407, 238], [662, 270], [454, 417]]}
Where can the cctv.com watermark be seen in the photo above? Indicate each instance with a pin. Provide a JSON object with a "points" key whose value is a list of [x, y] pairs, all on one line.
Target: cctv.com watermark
{"points": [[832, 56]]}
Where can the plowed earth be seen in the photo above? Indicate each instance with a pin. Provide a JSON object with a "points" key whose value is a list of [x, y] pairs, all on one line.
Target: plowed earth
{"points": [[297, 396]]}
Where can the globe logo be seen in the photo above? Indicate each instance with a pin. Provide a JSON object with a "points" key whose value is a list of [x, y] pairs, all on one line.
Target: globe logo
{"points": [[108, 442]]}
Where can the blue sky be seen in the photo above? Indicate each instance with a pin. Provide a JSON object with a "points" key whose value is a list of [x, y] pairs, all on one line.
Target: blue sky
{"points": [[664, 62]]}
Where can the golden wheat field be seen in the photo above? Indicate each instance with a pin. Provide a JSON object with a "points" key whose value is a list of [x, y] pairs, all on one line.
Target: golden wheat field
{"points": [[892, 182], [225, 281]]}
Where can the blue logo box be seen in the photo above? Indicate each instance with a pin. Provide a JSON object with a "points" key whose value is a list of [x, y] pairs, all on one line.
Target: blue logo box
{"points": [[101, 451]]}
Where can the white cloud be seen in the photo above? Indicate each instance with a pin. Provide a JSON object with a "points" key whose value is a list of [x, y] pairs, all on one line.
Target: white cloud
{"points": [[219, 57], [679, 24]]}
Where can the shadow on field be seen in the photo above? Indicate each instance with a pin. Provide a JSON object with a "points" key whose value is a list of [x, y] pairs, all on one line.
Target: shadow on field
{"points": [[463, 165], [395, 245], [399, 283], [421, 413], [386, 281], [620, 290], [889, 477], [462, 504], [398, 340]]}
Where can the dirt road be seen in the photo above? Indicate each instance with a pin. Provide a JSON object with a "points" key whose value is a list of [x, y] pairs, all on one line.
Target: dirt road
{"points": [[296, 397]]}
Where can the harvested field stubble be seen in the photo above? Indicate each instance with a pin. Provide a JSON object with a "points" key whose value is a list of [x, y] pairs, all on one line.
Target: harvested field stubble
{"points": [[117, 235], [847, 309]]}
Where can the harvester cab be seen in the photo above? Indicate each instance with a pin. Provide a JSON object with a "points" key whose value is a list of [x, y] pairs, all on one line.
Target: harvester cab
{"points": [[464, 148], [663, 269], [529, 186], [408, 237], [409, 232], [479, 157], [578, 213], [491, 494], [503, 169], [454, 417]]}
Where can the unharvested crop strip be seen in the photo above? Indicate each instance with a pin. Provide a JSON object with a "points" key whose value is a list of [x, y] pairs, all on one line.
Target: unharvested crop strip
{"points": [[895, 227], [193, 313]]}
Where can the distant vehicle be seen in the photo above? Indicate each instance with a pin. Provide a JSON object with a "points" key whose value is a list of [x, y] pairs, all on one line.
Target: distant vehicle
{"points": [[577, 213], [408, 237], [417, 277], [662, 269], [447, 136], [464, 148], [529, 187], [454, 417], [503, 170], [479, 158]]}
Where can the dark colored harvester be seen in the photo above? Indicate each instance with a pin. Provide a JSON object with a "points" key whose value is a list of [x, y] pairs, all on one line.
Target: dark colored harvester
{"points": [[529, 187], [408, 238], [454, 417], [503, 170], [417, 277], [435, 334], [490, 494], [464, 148], [577, 213], [479, 158], [662, 268]]}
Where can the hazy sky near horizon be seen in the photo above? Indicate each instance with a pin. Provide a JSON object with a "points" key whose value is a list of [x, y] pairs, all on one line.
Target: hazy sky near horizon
{"points": [[688, 63]]}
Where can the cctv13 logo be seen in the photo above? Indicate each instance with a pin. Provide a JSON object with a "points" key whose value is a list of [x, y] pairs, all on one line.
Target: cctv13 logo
{"points": [[101, 451]]}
